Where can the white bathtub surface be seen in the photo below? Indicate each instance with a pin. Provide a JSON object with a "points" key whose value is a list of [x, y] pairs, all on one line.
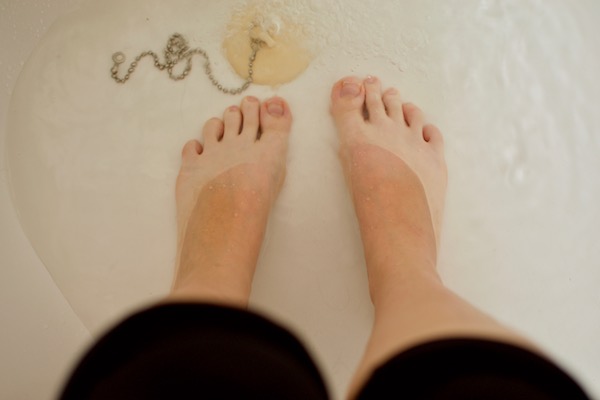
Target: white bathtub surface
{"points": [[513, 86]]}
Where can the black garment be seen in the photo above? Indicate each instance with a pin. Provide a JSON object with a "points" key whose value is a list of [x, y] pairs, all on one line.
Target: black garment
{"points": [[199, 351]]}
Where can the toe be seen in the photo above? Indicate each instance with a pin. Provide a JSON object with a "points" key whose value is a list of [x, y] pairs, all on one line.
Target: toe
{"points": [[413, 116], [347, 102], [393, 105], [374, 101], [275, 119], [250, 112], [433, 136], [232, 118], [213, 131], [191, 149]]}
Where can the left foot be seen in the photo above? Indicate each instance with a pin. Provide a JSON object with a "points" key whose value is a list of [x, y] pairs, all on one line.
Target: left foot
{"points": [[225, 190]]}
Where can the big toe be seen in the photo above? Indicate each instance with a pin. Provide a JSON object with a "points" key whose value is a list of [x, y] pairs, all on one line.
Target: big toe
{"points": [[347, 102], [275, 119]]}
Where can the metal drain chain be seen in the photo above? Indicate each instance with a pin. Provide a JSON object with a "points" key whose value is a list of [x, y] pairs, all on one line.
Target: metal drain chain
{"points": [[177, 50]]}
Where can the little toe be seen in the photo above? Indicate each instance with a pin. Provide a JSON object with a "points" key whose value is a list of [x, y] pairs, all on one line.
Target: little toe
{"points": [[393, 105], [251, 117], [232, 119], [413, 116], [213, 131], [190, 150], [275, 119], [433, 136], [374, 101], [347, 102]]}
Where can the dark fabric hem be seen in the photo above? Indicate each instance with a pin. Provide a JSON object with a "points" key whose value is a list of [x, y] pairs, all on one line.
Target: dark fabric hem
{"points": [[470, 369], [214, 350], [180, 351]]}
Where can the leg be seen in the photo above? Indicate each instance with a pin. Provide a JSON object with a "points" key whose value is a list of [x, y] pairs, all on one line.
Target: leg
{"points": [[187, 346], [225, 191], [395, 169]]}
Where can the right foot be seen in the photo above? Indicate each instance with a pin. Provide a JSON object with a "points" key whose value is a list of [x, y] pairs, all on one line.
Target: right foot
{"points": [[395, 169]]}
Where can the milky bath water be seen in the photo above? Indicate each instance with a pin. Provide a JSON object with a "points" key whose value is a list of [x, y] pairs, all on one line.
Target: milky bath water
{"points": [[512, 85]]}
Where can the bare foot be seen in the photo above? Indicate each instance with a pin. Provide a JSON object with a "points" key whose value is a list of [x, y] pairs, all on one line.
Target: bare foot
{"points": [[225, 190], [395, 168], [394, 165]]}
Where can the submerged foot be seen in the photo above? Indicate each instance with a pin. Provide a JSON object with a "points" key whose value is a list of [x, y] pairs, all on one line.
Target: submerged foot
{"points": [[394, 165], [225, 190]]}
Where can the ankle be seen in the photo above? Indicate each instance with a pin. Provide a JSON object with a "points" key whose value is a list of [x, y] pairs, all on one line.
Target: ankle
{"points": [[393, 286], [211, 289]]}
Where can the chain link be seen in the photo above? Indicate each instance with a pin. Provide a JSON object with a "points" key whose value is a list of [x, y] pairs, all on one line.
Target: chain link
{"points": [[177, 50]]}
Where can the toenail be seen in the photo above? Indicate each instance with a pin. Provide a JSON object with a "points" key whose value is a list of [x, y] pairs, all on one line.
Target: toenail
{"points": [[275, 108], [350, 89], [371, 79], [252, 99], [233, 108], [392, 92]]}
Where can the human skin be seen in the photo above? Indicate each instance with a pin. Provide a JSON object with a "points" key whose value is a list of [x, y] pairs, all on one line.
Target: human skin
{"points": [[396, 175]]}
